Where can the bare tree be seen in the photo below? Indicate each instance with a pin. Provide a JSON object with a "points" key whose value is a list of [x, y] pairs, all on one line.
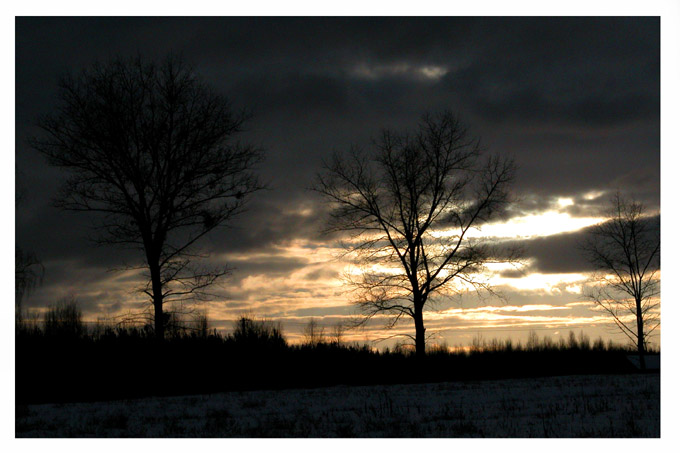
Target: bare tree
{"points": [[625, 250], [314, 333], [410, 206], [151, 149], [28, 270], [338, 333], [28, 273]]}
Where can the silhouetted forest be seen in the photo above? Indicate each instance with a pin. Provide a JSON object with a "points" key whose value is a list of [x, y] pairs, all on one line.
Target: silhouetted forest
{"points": [[59, 360]]}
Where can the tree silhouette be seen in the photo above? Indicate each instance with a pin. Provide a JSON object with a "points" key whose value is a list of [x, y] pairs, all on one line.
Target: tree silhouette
{"points": [[409, 207], [625, 249], [28, 270], [28, 273], [151, 148], [314, 333]]}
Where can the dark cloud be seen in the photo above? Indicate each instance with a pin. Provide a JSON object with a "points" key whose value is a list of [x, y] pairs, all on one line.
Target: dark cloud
{"points": [[512, 273], [268, 224], [272, 266], [592, 72], [574, 100], [556, 254], [296, 74], [321, 274]]}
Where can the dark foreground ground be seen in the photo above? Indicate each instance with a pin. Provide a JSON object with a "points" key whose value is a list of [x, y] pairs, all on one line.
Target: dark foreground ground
{"points": [[120, 366], [624, 405]]}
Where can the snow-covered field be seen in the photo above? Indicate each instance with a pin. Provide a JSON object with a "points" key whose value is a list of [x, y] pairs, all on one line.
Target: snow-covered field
{"points": [[569, 406]]}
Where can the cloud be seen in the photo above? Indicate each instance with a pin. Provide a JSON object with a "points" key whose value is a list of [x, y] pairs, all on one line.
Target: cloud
{"points": [[406, 70], [573, 100], [271, 265], [534, 73], [556, 254]]}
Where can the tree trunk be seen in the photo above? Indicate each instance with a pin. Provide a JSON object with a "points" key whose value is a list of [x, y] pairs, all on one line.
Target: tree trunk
{"points": [[157, 288], [420, 332], [640, 335]]}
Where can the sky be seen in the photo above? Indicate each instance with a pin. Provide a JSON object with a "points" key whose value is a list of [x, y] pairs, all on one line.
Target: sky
{"points": [[575, 102]]}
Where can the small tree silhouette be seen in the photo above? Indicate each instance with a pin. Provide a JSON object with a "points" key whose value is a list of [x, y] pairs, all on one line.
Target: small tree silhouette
{"points": [[314, 333], [625, 249], [338, 333], [28, 273], [28, 270]]}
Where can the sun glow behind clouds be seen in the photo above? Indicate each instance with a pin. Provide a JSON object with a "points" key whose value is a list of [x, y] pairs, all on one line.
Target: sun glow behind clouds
{"points": [[593, 195], [494, 309], [564, 202], [379, 71], [299, 278], [529, 226]]}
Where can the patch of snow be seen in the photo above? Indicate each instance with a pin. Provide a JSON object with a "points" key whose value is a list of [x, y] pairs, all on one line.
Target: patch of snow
{"points": [[564, 406]]}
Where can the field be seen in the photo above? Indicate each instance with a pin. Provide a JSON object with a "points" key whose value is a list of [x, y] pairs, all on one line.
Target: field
{"points": [[563, 406]]}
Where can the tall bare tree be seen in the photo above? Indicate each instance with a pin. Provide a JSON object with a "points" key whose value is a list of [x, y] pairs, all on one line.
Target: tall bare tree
{"points": [[28, 273], [28, 270], [152, 149], [625, 249], [410, 206]]}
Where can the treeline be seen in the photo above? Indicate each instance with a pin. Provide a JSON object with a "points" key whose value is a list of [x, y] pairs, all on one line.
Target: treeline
{"points": [[60, 360]]}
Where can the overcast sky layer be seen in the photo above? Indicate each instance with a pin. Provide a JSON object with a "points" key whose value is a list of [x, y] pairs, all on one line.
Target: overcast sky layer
{"points": [[575, 101]]}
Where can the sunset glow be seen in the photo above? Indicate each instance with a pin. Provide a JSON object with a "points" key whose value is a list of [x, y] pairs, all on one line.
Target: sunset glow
{"points": [[529, 226], [336, 89]]}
